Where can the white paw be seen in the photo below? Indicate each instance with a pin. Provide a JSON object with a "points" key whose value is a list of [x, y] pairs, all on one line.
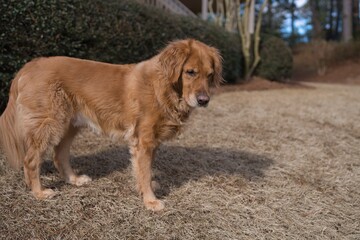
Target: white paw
{"points": [[44, 194], [155, 185], [154, 205], [79, 180]]}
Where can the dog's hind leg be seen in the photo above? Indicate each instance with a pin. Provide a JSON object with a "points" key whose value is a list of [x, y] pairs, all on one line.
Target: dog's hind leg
{"points": [[39, 136], [62, 157], [32, 164]]}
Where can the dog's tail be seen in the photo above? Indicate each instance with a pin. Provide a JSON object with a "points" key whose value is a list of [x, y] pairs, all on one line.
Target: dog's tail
{"points": [[11, 135]]}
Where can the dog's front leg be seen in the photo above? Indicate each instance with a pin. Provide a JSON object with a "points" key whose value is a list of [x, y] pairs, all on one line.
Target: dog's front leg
{"points": [[142, 157]]}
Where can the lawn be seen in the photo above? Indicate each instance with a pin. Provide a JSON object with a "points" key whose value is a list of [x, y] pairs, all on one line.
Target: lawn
{"points": [[271, 164]]}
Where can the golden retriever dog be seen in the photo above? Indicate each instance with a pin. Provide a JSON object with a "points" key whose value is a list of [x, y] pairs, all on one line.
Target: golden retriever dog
{"points": [[145, 103]]}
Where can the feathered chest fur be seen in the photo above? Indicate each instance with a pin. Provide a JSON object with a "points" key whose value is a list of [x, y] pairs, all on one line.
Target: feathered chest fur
{"points": [[170, 127]]}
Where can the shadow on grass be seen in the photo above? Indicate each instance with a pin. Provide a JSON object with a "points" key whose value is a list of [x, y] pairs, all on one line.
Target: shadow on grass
{"points": [[174, 165]]}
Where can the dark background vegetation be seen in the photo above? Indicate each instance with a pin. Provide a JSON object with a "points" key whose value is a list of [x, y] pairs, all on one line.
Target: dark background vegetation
{"points": [[313, 20], [116, 32]]}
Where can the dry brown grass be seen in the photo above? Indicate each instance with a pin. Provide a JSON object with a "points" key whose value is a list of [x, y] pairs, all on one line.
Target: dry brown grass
{"points": [[277, 164]]}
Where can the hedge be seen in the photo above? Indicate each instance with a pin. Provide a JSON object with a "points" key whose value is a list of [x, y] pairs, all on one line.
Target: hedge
{"points": [[121, 31], [276, 59]]}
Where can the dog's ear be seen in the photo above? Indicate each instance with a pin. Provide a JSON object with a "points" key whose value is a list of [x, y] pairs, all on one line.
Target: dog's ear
{"points": [[172, 59], [217, 65]]}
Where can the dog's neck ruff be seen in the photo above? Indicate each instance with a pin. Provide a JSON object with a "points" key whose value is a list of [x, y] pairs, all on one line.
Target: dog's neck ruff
{"points": [[170, 103]]}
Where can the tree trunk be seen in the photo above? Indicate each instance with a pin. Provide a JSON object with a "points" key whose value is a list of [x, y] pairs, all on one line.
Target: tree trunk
{"points": [[292, 23], [315, 20], [356, 19], [338, 19], [270, 16], [347, 21], [204, 9], [330, 31]]}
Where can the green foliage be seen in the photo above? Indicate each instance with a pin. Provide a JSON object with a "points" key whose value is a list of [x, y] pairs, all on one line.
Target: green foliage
{"points": [[121, 31], [104, 30], [276, 59]]}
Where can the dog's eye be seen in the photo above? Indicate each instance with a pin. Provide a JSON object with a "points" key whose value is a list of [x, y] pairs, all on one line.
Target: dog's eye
{"points": [[191, 72], [210, 75]]}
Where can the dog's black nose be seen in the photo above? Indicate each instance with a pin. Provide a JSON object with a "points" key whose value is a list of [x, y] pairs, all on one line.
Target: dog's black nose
{"points": [[203, 99]]}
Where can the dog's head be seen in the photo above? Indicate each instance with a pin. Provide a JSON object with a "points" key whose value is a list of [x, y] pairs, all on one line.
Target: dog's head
{"points": [[192, 67]]}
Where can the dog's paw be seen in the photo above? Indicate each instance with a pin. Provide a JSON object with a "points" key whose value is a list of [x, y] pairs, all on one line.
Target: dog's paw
{"points": [[154, 205], [155, 186], [79, 180], [44, 194]]}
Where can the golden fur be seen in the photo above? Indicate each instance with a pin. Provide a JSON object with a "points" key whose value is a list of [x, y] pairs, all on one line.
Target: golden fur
{"points": [[146, 103]]}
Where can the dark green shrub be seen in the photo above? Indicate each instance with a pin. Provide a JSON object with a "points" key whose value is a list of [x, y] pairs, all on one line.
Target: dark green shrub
{"points": [[276, 59], [120, 31], [112, 31]]}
